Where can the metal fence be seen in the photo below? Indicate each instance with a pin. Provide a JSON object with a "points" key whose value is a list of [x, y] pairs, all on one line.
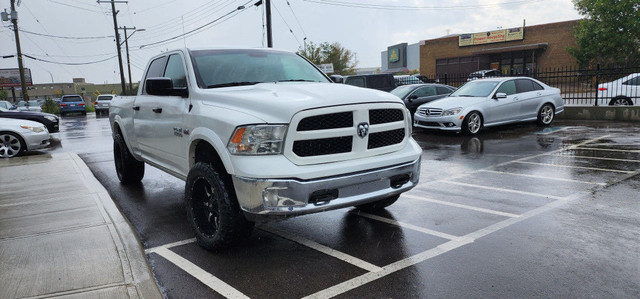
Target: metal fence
{"points": [[579, 86]]}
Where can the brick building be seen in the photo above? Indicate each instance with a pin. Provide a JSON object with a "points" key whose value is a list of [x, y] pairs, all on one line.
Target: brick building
{"points": [[513, 51]]}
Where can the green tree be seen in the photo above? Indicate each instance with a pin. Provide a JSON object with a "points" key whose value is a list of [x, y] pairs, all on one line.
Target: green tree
{"points": [[609, 33], [4, 94], [344, 60]]}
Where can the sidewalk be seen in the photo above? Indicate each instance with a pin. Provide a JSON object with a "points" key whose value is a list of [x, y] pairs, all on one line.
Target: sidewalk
{"points": [[62, 235]]}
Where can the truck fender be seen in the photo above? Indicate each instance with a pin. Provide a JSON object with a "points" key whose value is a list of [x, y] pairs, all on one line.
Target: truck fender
{"points": [[207, 135], [119, 123]]}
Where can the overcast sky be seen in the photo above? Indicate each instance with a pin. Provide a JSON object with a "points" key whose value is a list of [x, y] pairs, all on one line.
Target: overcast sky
{"points": [[365, 30]]}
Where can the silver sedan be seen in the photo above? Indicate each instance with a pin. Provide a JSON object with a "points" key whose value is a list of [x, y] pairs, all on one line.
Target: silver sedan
{"points": [[491, 102], [19, 135]]}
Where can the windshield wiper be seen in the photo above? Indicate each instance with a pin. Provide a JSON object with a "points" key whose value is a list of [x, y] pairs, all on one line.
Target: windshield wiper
{"points": [[296, 80], [232, 84], [466, 95]]}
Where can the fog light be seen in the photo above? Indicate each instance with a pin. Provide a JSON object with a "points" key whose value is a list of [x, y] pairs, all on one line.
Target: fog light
{"points": [[272, 198], [449, 125]]}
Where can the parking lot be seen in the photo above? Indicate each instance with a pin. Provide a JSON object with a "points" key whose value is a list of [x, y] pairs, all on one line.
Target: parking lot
{"points": [[515, 211]]}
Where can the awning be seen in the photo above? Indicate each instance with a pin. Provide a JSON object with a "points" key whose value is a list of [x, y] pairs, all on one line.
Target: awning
{"points": [[511, 48]]}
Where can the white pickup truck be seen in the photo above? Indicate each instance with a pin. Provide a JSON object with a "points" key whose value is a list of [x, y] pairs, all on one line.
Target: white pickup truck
{"points": [[261, 134]]}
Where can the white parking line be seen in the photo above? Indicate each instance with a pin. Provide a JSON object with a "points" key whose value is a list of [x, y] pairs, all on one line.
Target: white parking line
{"points": [[167, 246], [578, 167], [446, 203], [406, 225], [198, 273], [607, 149], [541, 177], [503, 189], [326, 250], [597, 158]]}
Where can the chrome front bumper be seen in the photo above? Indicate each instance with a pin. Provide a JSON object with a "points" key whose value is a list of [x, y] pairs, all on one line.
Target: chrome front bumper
{"points": [[261, 199]]}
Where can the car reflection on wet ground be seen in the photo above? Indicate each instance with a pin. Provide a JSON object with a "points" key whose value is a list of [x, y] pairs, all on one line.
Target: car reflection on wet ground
{"points": [[516, 211]]}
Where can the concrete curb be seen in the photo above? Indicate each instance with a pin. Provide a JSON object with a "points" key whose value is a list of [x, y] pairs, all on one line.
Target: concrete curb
{"points": [[615, 113]]}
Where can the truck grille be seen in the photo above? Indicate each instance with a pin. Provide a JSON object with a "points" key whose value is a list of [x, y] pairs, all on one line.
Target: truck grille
{"points": [[332, 134], [430, 111]]}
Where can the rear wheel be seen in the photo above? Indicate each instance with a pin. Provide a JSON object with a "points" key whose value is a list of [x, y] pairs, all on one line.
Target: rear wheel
{"points": [[213, 210], [11, 145], [545, 115], [129, 169], [472, 123], [621, 101], [378, 205]]}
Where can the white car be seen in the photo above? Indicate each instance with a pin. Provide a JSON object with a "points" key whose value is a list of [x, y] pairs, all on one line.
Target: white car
{"points": [[622, 92], [102, 103], [19, 135], [490, 102], [32, 105]]}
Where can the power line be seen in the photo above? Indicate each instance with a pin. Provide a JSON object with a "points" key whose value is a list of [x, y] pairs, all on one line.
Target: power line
{"points": [[285, 22], [65, 37], [296, 17], [240, 8], [69, 63], [407, 7], [78, 7]]}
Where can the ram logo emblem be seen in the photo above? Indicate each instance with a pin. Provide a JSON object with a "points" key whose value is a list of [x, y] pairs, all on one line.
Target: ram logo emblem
{"points": [[363, 129]]}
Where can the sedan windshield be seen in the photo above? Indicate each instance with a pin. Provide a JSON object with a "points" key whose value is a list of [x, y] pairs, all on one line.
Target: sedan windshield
{"points": [[475, 89], [402, 91], [223, 68]]}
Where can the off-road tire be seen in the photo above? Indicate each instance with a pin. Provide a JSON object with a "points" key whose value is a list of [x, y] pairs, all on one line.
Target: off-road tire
{"points": [[472, 123], [378, 205], [546, 115], [212, 209], [129, 169]]}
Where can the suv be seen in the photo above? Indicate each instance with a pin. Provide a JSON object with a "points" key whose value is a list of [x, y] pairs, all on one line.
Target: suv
{"points": [[484, 74], [102, 103], [72, 103], [384, 82]]}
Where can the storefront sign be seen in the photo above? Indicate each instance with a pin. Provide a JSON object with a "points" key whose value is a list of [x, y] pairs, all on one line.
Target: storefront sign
{"points": [[394, 55], [327, 68], [11, 77], [491, 37]]}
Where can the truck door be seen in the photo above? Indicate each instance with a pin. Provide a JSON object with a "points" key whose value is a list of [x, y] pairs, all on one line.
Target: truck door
{"points": [[163, 116]]}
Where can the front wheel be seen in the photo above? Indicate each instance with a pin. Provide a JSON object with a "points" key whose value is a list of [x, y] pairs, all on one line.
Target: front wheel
{"points": [[620, 102], [472, 123], [378, 205], [129, 169], [11, 145], [545, 115], [212, 209]]}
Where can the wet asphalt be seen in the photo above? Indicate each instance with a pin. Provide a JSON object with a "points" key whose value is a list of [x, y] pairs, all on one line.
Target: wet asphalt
{"points": [[516, 211]]}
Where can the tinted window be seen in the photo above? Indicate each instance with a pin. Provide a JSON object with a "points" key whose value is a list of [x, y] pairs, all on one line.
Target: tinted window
{"points": [[537, 86], [156, 69], [425, 91], [72, 99], [508, 87], [104, 98], [634, 81], [380, 81], [175, 71], [355, 82], [524, 85], [443, 90]]}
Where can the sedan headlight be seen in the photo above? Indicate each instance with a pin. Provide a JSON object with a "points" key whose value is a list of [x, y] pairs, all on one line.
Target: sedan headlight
{"points": [[34, 129], [51, 118], [257, 140], [452, 111]]}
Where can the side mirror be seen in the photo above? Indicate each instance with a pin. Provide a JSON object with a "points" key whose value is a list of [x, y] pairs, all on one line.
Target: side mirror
{"points": [[412, 97], [501, 95], [164, 87]]}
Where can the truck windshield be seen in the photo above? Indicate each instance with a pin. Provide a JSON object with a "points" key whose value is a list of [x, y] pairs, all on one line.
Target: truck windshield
{"points": [[223, 68]]}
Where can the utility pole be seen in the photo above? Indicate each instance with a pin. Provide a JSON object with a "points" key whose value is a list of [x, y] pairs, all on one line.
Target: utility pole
{"points": [[126, 42], [115, 28], [268, 15], [23, 82]]}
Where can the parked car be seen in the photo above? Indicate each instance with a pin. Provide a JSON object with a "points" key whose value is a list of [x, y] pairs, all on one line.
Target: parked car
{"points": [[490, 102], [406, 80], [7, 105], [72, 103], [414, 95], [102, 103], [383, 82], [622, 92], [481, 74], [19, 135], [31, 105], [49, 120]]}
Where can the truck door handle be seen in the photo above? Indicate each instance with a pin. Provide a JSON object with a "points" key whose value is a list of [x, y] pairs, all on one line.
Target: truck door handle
{"points": [[136, 108], [157, 110]]}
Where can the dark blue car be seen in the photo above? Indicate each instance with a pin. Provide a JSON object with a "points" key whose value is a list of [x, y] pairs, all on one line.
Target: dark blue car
{"points": [[72, 103]]}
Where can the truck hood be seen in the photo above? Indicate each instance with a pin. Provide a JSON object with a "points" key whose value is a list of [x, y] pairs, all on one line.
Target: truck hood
{"points": [[278, 102]]}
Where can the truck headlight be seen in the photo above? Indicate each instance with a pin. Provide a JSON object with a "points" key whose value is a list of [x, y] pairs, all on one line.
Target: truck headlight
{"points": [[257, 140], [34, 129], [452, 111]]}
